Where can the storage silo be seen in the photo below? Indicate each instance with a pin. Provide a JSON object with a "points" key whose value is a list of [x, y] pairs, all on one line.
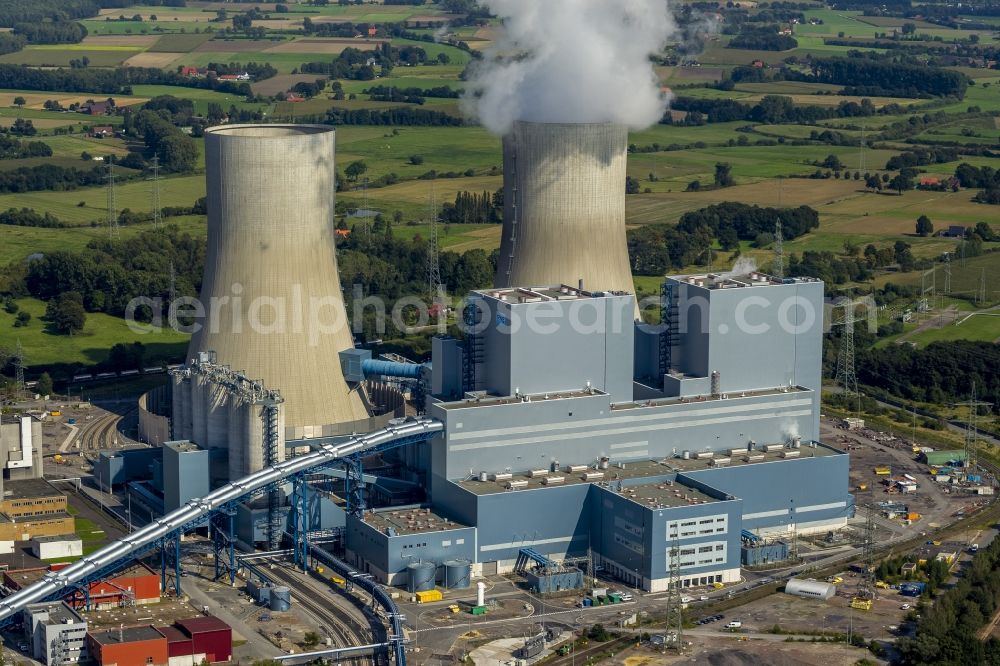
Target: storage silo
{"points": [[281, 599], [457, 574], [271, 292], [564, 206], [421, 576]]}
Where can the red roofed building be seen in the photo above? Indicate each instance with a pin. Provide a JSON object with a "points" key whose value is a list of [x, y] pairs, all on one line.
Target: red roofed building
{"points": [[209, 636], [188, 70], [179, 647]]}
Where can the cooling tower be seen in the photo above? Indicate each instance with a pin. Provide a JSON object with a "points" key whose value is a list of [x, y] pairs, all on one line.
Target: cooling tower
{"points": [[564, 206], [274, 308]]}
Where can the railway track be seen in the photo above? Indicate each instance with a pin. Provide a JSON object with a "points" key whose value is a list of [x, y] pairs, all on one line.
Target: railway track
{"points": [[337, 622]]}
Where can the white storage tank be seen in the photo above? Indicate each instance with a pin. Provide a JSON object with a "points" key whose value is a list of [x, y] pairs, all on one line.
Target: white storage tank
{"points": [[810, 589]]}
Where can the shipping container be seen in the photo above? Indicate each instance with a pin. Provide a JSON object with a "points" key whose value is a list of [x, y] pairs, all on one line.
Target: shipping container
{"points": [[428, 596]]}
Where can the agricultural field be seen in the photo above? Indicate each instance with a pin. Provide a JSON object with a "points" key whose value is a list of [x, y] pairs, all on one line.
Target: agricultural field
{"points": [[468, 158]]}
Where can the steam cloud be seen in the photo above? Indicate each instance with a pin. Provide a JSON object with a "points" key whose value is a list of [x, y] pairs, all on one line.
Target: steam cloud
{"points": [[571, 61]]}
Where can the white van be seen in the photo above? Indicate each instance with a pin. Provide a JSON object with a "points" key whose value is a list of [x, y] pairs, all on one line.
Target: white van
{"points": [[734, 624]]}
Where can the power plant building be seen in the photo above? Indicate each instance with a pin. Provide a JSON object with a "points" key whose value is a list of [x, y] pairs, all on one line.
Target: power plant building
{"points": [[570, 419]]}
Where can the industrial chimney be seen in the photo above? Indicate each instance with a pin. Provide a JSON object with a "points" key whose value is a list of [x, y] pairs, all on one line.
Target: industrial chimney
{"points": [[564, 206], [271, 293]]}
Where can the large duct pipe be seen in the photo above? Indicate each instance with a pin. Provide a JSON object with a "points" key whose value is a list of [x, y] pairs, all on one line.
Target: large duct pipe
{"points": [[564, 206], [274, 308]]}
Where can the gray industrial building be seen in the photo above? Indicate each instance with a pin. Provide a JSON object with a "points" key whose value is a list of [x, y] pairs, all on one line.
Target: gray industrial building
{"points": [[56, 633], [20, 449], [609, 438]]}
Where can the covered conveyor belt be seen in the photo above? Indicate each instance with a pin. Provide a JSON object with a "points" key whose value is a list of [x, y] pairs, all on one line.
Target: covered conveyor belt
{"points": [[196, 511]]}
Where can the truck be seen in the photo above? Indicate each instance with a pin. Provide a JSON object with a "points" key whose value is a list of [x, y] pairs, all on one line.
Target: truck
{"points": [[974, 548], [734, 624]]}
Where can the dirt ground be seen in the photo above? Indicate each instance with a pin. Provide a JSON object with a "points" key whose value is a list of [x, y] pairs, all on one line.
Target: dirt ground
{"points": [[747, 653], [151, 59], [797, 614], [327, 46], [234, 46]]}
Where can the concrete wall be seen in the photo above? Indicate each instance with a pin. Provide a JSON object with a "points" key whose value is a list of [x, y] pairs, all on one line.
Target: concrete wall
{"points": [[154, 420], [567, 183], [272, 270]]}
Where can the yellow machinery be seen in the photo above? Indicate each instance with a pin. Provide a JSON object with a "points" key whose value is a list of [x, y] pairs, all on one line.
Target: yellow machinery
{"points": [[428, 596], [861, 604]]}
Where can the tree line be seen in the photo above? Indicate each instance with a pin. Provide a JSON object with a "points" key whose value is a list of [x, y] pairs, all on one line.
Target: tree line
{"points": [[107, 275], [116, 81], [13, 12], [16, 149], [472, 208], [941, 372], [771, 109], [947, 630], [870, 74]]}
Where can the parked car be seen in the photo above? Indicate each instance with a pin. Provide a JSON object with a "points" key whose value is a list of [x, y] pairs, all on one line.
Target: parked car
{"points": [[734, 624]]}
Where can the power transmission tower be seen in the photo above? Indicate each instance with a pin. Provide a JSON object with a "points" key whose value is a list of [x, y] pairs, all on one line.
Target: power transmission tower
{"points": [[157, 213], [981, 294], [947, 273], [846, 375], [112, 203], [433, 255], [18, 361], [675, 611], [173, 283], [971, 433], [779, 251], [364, 207], [866, 588]]}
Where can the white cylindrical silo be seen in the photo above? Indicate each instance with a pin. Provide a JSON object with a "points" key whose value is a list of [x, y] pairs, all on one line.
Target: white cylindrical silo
{"points": [[271, 292], [217, 415], [564, 206], [199, 410], [180, 398]]}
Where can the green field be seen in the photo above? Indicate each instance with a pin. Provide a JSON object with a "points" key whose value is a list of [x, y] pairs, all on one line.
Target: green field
{"points": [[47, 57], [100, 333], [984, 327], [20, 242], [199, 96], [136, 195]]}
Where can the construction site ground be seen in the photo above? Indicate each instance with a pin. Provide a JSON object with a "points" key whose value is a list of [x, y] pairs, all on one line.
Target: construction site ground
{"points": [[705, 652]]}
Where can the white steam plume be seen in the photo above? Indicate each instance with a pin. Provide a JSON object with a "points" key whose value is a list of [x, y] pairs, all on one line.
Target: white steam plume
{"points": [[571, 61]]}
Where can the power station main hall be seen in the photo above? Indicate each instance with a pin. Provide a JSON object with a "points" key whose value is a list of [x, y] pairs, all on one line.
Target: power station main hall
{"points": [[607, 438]]}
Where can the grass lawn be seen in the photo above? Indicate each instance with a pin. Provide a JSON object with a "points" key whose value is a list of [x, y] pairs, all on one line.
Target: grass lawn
{"points": [[199, 96], [16, 243], [984, 327], [136, 195], [100, 333]]}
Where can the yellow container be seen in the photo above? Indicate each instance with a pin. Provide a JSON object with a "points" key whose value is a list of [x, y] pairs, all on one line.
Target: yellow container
{"points": [[428, 596]]}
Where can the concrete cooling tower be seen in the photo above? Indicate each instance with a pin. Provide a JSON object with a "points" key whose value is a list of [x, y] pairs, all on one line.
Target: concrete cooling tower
{"points": [[564, 206], [274, 307]]}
